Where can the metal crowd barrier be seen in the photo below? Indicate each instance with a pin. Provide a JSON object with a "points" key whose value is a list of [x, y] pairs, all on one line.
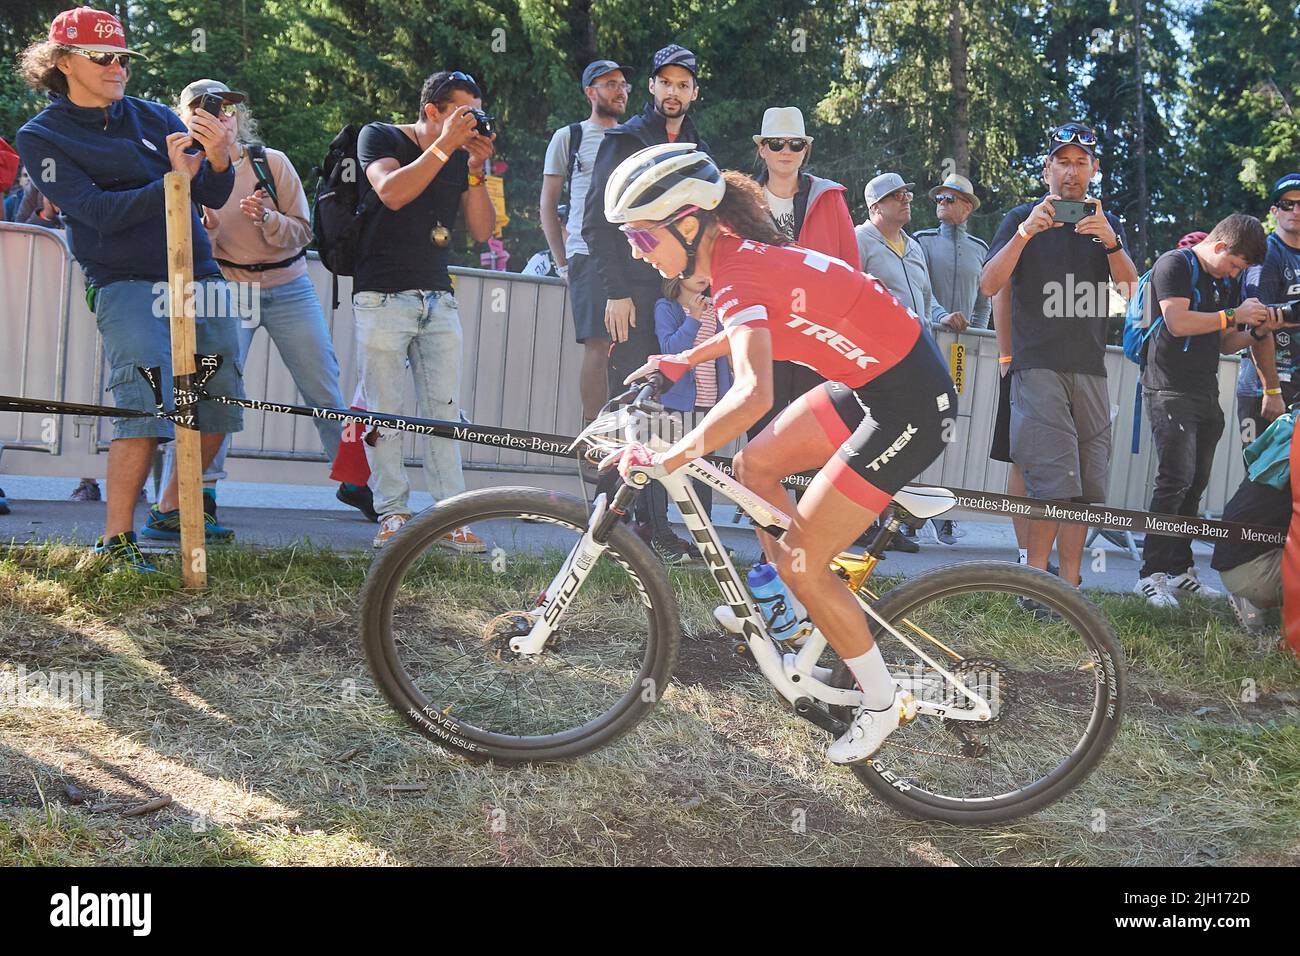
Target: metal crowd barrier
{"points": [[521, 369]]}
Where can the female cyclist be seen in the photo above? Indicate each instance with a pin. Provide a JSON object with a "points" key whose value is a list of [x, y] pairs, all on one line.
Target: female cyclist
{"points": [[873, 427]]}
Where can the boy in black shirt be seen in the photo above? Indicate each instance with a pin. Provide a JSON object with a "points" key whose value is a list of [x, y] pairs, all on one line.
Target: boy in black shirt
{"points": [[1180, 384], [423, 174]]}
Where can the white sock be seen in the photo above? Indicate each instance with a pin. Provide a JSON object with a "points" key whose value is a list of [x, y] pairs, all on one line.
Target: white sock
{"points": [[1024, 556], [874, 678]]}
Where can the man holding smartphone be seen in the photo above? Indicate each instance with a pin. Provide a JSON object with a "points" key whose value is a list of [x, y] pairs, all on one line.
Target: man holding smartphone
{"points": [[1058, 275], [1270, 383]]}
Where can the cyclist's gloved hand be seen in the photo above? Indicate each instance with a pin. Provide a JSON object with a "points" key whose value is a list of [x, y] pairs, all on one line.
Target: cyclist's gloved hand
{"points": [[635, 454], [672, 367]]}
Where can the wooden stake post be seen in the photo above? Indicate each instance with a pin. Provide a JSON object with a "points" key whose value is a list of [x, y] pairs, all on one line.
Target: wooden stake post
{"points": [[189, 455]]}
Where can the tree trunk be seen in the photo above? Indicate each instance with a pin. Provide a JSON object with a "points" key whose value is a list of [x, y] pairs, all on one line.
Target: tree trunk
{"points": [[1140, 138], [960, 90]]}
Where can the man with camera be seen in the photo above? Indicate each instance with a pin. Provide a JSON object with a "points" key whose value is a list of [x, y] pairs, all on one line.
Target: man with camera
{"points": [[571, 157], [424, 174], [1194, 290], [1057, 255], [1270, 383], [631, 287]]}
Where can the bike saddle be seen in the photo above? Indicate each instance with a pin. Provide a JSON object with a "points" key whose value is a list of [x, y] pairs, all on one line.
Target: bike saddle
{"points": [[923, 502]]}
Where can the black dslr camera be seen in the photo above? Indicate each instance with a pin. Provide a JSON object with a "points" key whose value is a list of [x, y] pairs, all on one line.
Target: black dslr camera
{"points": [[486, 123]]}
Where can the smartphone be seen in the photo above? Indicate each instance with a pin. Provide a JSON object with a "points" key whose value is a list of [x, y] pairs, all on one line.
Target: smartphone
{"points": [[210, 103], [1070, 210]]}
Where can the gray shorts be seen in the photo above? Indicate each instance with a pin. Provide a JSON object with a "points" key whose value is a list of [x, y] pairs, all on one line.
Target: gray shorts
{"points": [[1259, 580], [1060, 433]]}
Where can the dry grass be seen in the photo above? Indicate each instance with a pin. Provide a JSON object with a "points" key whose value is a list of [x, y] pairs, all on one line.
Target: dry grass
{"points": [[251, 707]]}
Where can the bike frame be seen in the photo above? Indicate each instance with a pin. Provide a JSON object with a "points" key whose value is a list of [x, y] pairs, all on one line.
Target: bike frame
{"points": [[794, 674]]}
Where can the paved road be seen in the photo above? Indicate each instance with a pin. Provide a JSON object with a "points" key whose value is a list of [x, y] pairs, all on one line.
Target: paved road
{"points": [[277, 515]]}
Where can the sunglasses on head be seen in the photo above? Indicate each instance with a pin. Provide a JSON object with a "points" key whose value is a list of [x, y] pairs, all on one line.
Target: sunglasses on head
{"points": [[1286, 205], [795, 145], [645, 239], [1072, 133], [105, 59], [456, 76]]}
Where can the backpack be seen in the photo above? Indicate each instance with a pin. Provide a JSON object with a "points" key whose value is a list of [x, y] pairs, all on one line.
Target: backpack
{"points": [[575, 141], [262, 170], [1139, 326], [342, 200]]}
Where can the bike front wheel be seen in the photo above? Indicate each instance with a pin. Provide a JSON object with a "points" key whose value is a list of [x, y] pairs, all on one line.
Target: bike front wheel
{"points": [[437, 625], [1052, 671]]}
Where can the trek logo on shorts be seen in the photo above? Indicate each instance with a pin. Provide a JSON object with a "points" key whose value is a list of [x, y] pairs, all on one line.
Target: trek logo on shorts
{"points": [[834, 339], [899, 443]]}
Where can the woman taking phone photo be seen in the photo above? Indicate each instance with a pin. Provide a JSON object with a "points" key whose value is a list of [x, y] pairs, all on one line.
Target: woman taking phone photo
{"points": [[874, 427]]}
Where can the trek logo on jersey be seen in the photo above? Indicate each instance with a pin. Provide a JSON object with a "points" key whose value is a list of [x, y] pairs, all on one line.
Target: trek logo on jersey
{"points": [[1294, 289], [835, 340], [899, 444]]}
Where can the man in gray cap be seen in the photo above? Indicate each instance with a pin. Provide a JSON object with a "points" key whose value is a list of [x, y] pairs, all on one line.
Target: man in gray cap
{"points": [[631, 286], [571, 159]]}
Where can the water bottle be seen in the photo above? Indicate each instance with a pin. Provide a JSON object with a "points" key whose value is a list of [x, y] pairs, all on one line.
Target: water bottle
{"points": [[773, 601]]}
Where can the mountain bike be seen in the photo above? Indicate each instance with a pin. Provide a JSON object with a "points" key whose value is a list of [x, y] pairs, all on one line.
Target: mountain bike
{"points": [[563, 636]]}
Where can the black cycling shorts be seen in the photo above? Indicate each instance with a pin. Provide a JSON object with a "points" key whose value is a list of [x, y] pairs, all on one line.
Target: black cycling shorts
{"points": [[889, 430]]}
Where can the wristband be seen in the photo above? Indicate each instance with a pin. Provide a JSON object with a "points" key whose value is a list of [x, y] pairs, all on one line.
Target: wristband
{"points": [[1272, 391], [1118, 247], [433, 148], [476, 180], [1004, 359], [1223, 319], [1020, 228]]}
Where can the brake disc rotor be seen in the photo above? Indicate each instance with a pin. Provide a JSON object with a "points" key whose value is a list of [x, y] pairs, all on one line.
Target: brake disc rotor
{"points": [[989, 678]]}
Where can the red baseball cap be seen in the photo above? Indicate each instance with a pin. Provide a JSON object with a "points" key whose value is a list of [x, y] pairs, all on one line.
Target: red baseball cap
{"points": [[91, 30]]}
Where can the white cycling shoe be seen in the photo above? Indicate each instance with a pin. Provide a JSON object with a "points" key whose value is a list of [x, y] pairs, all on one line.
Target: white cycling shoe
{"points": [[870, 728]]}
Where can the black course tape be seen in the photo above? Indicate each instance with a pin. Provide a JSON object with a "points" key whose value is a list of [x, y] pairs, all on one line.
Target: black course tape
{"points": [[542, 443]]}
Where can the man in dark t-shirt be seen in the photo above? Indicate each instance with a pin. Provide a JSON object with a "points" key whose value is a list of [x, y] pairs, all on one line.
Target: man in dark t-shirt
{"points": [[1193, 289], [1058, 271], [423, 175]]}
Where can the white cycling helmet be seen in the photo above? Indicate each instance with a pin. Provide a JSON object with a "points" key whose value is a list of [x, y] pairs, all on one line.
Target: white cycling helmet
{"points": [[655, 182]]}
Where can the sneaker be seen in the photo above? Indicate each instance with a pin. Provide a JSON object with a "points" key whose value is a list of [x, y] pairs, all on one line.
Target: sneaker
{"points": [[673, 550], [166, 526], [1039, 612], [1250, 617], [464, 541], [124, 554], [359, 497], [905, 542], [870, 728], [946, 533], [1188, 581], [4, 503], [1156, 589], [210, 502], [88, 490], [389, 525]]}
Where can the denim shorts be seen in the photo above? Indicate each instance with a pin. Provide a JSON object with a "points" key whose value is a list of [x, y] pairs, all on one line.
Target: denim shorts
{"points": [[135, 334]]}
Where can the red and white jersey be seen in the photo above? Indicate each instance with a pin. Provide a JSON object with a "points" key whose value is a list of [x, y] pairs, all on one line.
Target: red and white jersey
{"points": [[820, 311]]}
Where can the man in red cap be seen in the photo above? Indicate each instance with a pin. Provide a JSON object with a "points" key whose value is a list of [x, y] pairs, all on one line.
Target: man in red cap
{"points": [[100, 157]]}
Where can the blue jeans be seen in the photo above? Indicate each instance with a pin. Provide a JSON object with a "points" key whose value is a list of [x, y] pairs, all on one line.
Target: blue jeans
{"points": [[292, 316], [133, 320], [423, 327]]}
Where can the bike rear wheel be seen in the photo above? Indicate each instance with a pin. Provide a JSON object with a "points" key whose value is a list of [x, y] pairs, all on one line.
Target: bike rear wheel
{"points": [[436, 628], [1054, 675]]}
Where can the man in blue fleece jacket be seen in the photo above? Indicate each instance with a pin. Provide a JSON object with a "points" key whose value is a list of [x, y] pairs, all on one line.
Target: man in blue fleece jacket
{"points": [[100, 156]]}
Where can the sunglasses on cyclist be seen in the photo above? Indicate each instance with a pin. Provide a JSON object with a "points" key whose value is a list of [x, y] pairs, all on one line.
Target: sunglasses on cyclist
{"points": [[454, 77], [795, 145], [1286, 205], [105, 59], [1073, 133], [227, 109], [645, 239]]}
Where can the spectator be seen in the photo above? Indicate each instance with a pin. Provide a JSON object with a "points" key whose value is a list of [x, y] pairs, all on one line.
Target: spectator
{"points": [[1194, 290], [1252, 572], [260, 239], [571, 157], [1060, 409], [631, 287], [92, 133], [10, 166], [17, 204], [889, 254], [424, 173], [955, 258], [44, 213], [1275, 282], [809, 211], [685, 318]]}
